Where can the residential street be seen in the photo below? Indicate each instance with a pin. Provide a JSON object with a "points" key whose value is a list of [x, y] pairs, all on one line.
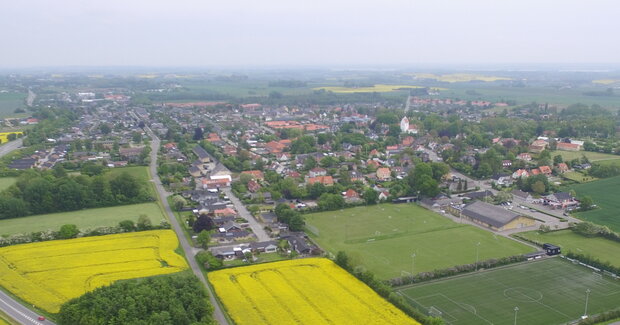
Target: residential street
{"points": [[18, 312], [245, 214], [218, 315]]}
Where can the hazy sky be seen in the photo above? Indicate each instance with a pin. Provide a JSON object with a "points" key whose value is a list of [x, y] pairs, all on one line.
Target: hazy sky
{"points": [[317, 32]]}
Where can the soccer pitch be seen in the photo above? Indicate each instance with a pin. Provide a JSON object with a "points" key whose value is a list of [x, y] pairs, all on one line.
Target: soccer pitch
{"points": [[384, 238], [550, 291]]}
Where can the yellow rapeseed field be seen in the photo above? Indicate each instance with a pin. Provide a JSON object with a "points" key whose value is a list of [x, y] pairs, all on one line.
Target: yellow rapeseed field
{"points": [[47, 274], [606, 81], [302, 291], [376, 88], [4, 136]]}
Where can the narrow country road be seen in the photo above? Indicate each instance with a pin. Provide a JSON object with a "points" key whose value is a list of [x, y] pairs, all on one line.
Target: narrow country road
{"points": [[6, 148], [18, 312], [218, 315], [258, 230]]}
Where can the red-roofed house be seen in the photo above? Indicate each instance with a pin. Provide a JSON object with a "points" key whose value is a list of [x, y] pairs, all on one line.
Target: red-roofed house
{"points": [[253, 186], [383, 174], [545, 170], [520, 173], [225, 212], [568, 146], [256, 174], [351, 195], [325, 180], [373, 163], [535, 172], [563, 167]]}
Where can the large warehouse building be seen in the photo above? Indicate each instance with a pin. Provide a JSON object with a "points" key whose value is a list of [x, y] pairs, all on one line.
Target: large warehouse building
{"points": [[495, 217]]}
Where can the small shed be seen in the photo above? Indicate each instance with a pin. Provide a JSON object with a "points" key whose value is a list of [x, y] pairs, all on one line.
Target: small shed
{"points": [[551, 249]]}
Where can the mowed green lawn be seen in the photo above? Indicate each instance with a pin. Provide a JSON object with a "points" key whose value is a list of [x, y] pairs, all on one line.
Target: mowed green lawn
{"points": [[384, 237], [606, 194], [550, 291], [597, 247], [5, 182], [89, 218]]}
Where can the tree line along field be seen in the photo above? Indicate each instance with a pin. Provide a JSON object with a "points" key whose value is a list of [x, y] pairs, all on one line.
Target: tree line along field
{"points": [[47, 274], [301, 291], [139, 172], [550, 291], [83, 219], [604, 192], [384, 237], [597, 247]]}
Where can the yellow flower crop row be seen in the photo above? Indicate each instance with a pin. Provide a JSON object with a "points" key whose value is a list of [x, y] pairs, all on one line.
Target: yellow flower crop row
{"points": [[303, 291], [47, 274]]}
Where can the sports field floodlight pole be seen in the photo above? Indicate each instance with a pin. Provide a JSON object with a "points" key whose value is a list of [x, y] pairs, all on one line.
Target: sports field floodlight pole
{"points": [[585, 312], [477, 251], [516, 310]]}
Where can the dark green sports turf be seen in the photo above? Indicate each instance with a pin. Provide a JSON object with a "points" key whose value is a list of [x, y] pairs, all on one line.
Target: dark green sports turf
{"points": [[550, 291]]}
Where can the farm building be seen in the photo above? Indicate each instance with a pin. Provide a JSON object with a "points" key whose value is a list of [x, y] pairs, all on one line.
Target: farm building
{"points": [[495, 217]]}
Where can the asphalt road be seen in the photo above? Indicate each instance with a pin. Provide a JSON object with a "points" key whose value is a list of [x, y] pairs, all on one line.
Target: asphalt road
{"points": [[10, 146], [218, 315], [18, 312], [258, 230]]}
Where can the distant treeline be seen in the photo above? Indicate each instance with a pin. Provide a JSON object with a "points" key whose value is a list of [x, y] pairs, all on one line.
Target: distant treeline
{"points": [[288, 83], [40, 192]]}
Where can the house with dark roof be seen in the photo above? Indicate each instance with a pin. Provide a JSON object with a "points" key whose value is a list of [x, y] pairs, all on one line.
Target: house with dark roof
{"points": [[202, 154], [560, 200], [495, 217]]}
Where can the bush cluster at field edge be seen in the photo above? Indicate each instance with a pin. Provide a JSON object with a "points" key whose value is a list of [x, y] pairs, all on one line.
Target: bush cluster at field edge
{"points": [[597, 247], [550, 291], [83, 219], [383, 238]]}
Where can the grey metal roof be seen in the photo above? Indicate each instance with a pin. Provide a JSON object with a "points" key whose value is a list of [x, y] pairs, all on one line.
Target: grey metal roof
{"points": [[490, 214]]}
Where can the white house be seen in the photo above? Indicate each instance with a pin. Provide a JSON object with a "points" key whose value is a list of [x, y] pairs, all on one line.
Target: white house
{"points": [[405, 127]]}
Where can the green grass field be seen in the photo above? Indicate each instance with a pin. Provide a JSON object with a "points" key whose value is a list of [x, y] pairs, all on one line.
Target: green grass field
{"points": [[525, 95], [592, 156], [601, 248], [383, 238], [604, 192], [5, 182], [89, 218], [578, 177], [9, 102], [551, 291]]}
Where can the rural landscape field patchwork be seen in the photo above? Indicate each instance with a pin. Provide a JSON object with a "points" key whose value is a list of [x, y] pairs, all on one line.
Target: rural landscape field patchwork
{"points": [[47, 274], [304, 291], [383, 238], [552, 291]]}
